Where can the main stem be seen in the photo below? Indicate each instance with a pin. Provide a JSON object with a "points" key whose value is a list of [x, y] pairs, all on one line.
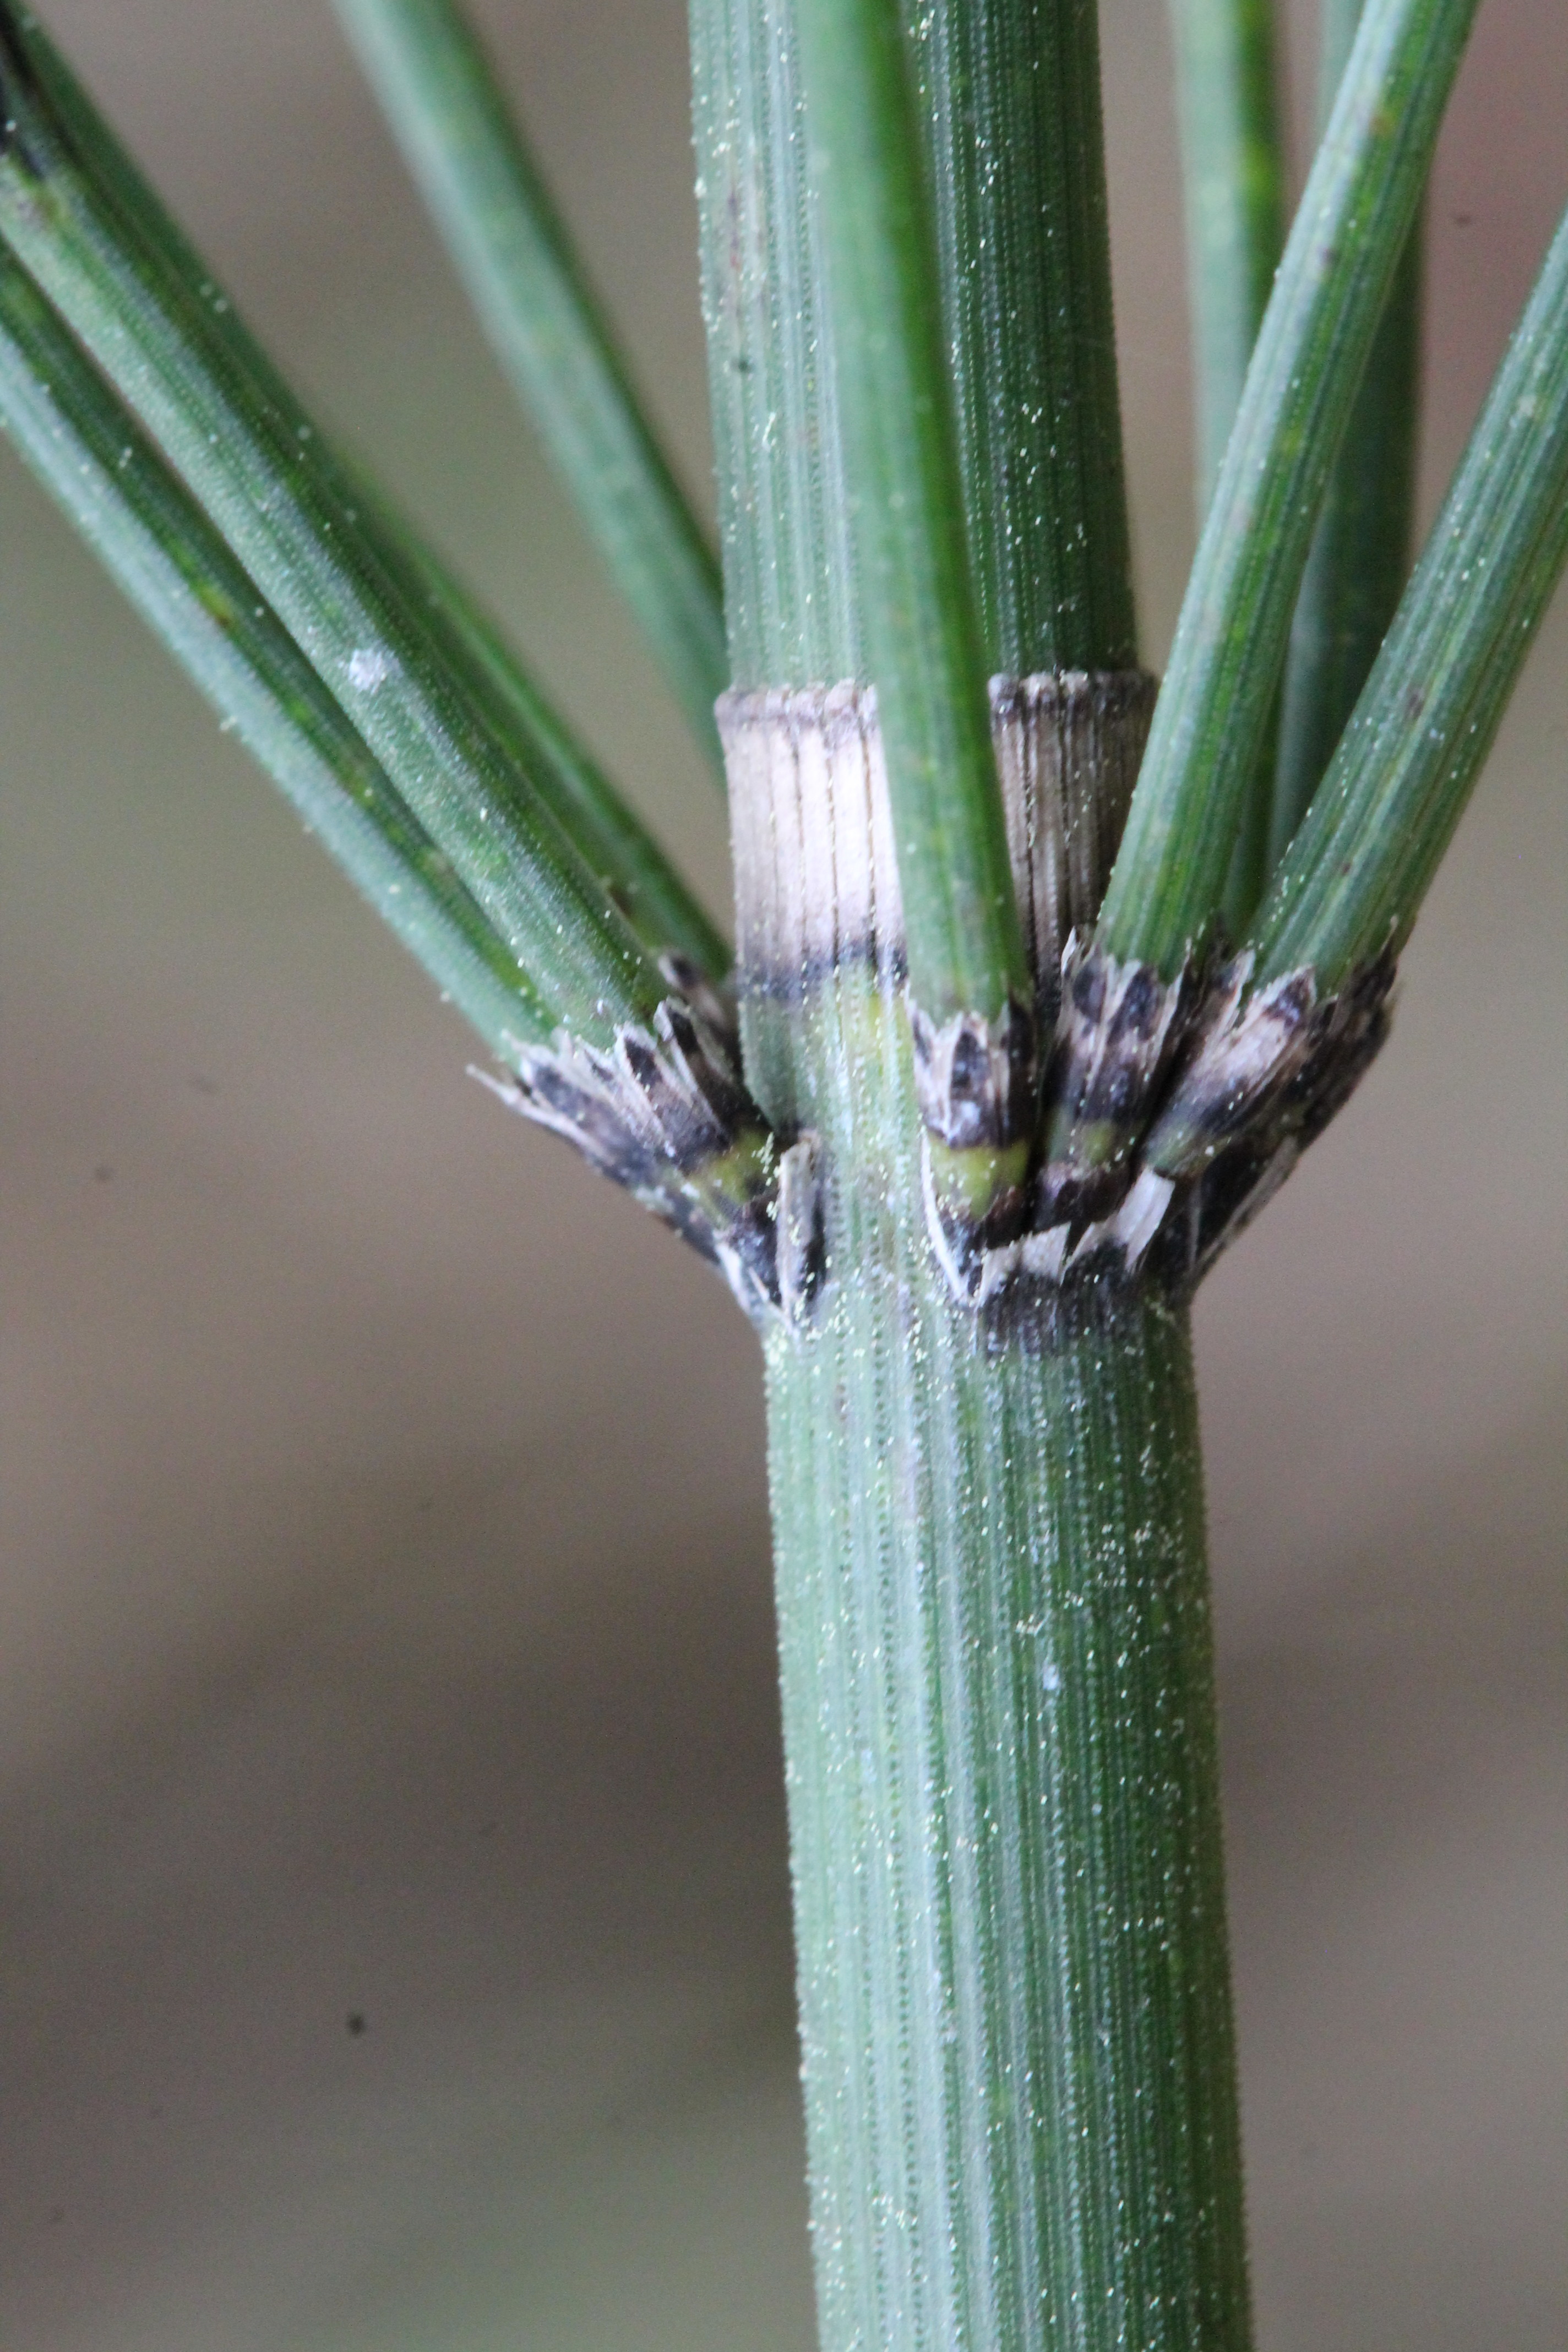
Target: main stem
{"points": [[1008, 1892], [998, 1707]]}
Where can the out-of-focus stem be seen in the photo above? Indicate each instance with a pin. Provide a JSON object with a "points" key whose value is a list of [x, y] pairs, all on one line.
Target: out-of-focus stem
{"points": [[1360, 551], [466, 152], [1214, 710]]}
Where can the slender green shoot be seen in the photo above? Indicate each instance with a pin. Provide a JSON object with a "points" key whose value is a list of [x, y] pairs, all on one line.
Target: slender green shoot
{"points": [[634, 870], [1355, 874], [251, 466], [156, 543], [1233, 183], [922, 633], [1008, 99], [1360, 553], [613, 844], [1214, 711], [466, 152]]}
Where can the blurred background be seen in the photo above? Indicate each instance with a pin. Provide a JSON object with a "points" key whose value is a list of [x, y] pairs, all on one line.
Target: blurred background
{"points": [[397, 1944]]}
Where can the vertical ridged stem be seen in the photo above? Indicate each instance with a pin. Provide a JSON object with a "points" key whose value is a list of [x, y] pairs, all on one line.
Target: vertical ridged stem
{"points": [[235, 440], [160, 547], [1361, 550], [1011, 104], [1233, 181], [1359, 561], [1004, 1828], [1011, 96], [1352, 883], [998, 1711], [1008, 1886]]}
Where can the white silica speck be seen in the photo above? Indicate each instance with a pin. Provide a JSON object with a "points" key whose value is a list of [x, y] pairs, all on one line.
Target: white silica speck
{"points": [[369, 667]]}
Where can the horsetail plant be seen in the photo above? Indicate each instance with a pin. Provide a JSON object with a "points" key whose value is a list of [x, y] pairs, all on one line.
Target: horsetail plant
{"points": [[1042, 982]]}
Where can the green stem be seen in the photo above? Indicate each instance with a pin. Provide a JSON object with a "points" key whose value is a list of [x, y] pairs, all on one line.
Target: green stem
{"points": [[1247, 875], [466, 151], [999, 1731], [1214, 711], [1232, 184], [612, 843], [164, 555], [251, 465], [1009, 108], [654, 898], [1354, 877], [1017, 2034], [1001, 1789], [923, 634], [1010, 101], [790, 599], [998, 1724], [1361, 551]]}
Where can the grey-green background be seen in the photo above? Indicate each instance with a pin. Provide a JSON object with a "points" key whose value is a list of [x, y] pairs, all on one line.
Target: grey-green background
{"points": [[385, 1628]]}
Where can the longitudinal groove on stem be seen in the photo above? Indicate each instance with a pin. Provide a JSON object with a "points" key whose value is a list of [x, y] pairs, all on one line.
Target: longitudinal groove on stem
{"points": [[907, 287], [1352, 881], [920, 616], [1010, 111], [1233, 182]]}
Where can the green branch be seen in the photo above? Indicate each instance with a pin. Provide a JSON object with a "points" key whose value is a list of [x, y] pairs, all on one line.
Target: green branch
{"points": [[1356, 873], [468, 154], [255, 466], [616, 847], [160, 549], [922, 637], [1008, 103], [1361, 552], [613, 844], [1233, 183], [1213, 715]]}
